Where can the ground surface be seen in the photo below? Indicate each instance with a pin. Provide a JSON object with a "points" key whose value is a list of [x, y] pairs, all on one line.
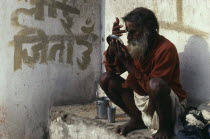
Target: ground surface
{"points": [[82, 118]]}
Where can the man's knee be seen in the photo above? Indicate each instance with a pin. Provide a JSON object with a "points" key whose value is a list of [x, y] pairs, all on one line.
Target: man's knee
{"points": [[104, 80], [159, 87]]}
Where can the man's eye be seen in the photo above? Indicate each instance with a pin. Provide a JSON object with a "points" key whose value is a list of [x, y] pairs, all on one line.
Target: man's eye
{"points": [[131, 31]]}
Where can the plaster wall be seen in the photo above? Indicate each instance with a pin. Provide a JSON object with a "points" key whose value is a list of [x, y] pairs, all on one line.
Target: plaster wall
{"points": [[186, 24], [50, 55]]}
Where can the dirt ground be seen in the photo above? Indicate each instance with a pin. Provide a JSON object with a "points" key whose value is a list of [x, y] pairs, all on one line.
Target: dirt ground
{"points": [[88, 112]]}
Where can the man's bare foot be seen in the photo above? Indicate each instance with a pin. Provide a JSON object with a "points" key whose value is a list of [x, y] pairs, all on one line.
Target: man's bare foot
{"points": [[163, 134], [131, 125]]}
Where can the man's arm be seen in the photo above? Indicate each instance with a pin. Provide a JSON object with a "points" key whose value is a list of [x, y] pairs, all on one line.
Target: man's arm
{"points": [[116, 29], [163, 68], [112, 63]]}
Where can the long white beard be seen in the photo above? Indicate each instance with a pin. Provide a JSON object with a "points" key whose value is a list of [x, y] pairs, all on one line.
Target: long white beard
{"points": [[137, 48]]}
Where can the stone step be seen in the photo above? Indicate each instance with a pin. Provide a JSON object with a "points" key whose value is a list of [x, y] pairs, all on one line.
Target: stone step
{"points": [[79, 122]]}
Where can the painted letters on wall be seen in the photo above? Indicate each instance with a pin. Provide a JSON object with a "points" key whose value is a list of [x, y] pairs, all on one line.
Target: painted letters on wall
{"points": [[44, 47]]}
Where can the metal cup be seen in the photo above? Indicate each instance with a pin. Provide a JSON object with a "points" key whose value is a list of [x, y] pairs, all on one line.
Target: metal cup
{"points": [[102, 104], [111, 114]]}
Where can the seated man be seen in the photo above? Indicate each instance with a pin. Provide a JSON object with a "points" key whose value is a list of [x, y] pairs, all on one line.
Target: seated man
{"points": [[153, 73]]}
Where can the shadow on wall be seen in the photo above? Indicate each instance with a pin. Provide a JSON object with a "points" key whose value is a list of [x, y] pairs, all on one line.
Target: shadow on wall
{"points": [[195, 70]]}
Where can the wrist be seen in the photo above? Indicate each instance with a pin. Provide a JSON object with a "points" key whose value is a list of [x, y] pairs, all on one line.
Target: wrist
{"points": [[130, 67]]}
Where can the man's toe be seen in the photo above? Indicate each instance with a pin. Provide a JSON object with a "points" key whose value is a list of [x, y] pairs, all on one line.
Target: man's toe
{"points": [[124, 131], [118, 129]]}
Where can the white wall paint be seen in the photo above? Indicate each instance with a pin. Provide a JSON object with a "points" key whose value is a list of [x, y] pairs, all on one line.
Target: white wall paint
{"points": [[188, 29], [28, 90]]}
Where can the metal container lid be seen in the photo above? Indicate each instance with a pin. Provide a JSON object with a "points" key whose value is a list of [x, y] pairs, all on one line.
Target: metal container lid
{"points": [[112, 36]]}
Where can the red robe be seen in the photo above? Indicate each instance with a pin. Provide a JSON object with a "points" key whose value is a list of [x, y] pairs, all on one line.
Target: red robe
{"points": [[162, 62]]}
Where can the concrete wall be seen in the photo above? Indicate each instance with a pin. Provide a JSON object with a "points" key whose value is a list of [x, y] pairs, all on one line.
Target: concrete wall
{"points": [[187, 24], [50, 55]]}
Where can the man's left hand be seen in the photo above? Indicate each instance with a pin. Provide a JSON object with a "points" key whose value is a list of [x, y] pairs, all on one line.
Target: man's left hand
{"points": [[123, 55]]}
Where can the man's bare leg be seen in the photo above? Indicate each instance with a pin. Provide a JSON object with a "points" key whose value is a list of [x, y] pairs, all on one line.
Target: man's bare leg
{"points": [[160, 97], [124, 98]]}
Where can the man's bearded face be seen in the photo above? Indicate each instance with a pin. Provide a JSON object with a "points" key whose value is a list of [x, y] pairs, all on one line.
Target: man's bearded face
{"points": [[138, 46]]}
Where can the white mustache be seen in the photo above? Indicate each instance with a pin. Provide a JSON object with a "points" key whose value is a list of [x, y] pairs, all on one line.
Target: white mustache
{"points": [[137, 48]]}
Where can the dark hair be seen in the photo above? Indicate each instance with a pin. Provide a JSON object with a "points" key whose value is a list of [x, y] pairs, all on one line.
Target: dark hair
{"points": [[143, 17]]}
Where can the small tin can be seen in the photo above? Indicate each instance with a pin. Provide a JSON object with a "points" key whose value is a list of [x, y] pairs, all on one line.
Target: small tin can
{"points": [[102, 104], [111, 114], [114, 37]]}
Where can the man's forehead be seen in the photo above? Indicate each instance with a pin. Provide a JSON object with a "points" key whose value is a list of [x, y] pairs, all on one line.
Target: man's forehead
{"points": [[131, 25]]}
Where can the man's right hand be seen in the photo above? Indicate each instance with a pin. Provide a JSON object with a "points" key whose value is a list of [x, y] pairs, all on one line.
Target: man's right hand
{"points": [[116, 31], [116, 28]]}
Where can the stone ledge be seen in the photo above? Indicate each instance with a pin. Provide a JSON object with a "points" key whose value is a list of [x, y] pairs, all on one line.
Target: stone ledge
{"points": [[79, 122]]}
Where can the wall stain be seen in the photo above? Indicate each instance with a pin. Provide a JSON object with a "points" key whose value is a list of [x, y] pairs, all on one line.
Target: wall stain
{"points": [[4, 134], [87, 29], [37, 40], [64, 7], [52, 12], [179, 25], [68, 23], [11, 43], [54, 5], [88, 21], [39, 52], [65, 1], [55, 38], [39, 12], [155, 8], [30, 35], [33, 2], [182, 28], [179, 11], [94, 36], [3, 115], [57, 47], [16, 13], [69, 53], [83, 64]]}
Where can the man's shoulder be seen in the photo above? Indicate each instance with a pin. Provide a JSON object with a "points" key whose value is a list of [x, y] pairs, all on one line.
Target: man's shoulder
{"points": [[166, 45]]}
